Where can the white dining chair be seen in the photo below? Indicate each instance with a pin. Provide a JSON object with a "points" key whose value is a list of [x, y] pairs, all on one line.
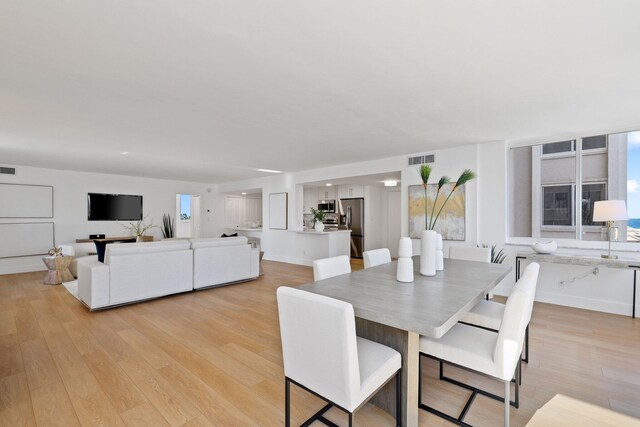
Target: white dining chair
{"points": [[331, 267], [488, 314], [376, 257], [496, 355], [323, 355], [469, 253]]}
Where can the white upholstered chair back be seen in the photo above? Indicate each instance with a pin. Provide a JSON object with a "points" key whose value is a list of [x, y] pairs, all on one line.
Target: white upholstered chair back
{"points": [[469, 253], [319, 345], [516, 317], [376, 257], [330, 267]]}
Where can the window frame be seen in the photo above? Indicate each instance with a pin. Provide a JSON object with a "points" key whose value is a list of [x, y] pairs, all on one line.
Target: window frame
{"points": [[575, 242]]}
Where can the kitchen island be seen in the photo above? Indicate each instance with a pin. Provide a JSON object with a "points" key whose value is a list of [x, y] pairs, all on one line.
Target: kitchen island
{"points": [[316, 245]]}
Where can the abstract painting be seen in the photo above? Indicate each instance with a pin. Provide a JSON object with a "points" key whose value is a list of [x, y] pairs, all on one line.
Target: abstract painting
{"points": [[451, 222]]}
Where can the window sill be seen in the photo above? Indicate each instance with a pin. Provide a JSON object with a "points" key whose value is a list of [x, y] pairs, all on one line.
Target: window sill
{"points": [[577, 244]]}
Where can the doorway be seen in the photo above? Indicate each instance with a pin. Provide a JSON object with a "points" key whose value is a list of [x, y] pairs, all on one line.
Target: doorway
{"points": [[187, 215]]}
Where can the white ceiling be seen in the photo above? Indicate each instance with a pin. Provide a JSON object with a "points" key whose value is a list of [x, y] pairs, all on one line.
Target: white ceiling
{"points": [[210, 90], [374, 179]]}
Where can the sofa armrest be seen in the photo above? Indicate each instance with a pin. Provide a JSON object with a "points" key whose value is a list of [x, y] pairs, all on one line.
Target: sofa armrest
{"points": [[255, 261], [93, 282]]}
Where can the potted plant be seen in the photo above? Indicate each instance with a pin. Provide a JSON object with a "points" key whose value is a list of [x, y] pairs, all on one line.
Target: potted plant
{"points": [[318, 217], [431, 257], [168, 226], [497, 256], [425, 172], [138, 228]]}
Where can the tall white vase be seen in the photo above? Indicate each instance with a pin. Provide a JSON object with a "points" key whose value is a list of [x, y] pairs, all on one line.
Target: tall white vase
{"points": [[439, 253], [428, 242], [405, 263]]}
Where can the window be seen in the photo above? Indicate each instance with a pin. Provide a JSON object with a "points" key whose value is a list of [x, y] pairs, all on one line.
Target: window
{"points": [[553, 187], [558, 147], [558, 205], [185, 207]]}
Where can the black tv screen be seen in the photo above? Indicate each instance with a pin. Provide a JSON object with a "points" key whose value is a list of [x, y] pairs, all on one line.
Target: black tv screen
{"points": [[114, 207]]}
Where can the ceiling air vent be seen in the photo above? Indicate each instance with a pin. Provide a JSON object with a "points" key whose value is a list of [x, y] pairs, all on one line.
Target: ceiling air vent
{"points": [[420, 160], [8, 171]]}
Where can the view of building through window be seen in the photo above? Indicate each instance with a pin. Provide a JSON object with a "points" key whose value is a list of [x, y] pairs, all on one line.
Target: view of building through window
{"points": [[553, 187]]}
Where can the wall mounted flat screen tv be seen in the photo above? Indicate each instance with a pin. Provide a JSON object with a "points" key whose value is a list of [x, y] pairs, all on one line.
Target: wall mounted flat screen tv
{"points": [[114, 207]]}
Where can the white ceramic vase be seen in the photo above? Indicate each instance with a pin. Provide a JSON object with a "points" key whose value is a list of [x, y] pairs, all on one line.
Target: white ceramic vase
{"points": [[319, 226], [439, 253], [405, 263], [428, 242]]}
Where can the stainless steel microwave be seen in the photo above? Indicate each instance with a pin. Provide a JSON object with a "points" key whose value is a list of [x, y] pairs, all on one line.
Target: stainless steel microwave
{"points": [[328, 206]]}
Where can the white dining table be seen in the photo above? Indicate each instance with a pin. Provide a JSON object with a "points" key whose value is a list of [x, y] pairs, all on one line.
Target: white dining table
{"points": [[396, 314]]}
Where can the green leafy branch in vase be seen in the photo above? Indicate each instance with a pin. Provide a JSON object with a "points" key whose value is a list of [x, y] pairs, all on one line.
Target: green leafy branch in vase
{"points": [[425, 173], [138, 228]]}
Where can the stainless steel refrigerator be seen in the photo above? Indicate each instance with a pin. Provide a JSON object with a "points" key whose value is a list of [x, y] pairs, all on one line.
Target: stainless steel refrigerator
{"points": [[352, 218]]}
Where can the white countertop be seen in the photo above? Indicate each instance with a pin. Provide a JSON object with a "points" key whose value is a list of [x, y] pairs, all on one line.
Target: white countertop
{"points": [[248, 229], [312, 231]]}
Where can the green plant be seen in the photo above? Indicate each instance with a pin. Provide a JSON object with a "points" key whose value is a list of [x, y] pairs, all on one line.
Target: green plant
{"points": [[497, 256], [425, 173], [138, 228], [168, 226], [318, 215]]}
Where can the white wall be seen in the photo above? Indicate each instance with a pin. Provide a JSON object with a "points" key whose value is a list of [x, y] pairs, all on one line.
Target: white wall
{"points": [[486, 222], [70, 205]]}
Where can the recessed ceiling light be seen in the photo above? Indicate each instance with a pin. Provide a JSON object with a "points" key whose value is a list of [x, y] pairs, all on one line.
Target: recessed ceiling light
{"points": [[328, 184], [390, 183], [268, 170], [244, 194], [124, 153]]}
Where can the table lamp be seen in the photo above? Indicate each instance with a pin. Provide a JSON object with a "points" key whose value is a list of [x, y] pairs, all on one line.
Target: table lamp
{"points": [[609, 211]]}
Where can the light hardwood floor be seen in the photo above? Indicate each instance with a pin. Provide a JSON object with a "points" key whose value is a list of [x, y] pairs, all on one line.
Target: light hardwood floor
{"points": [[213, 358]]}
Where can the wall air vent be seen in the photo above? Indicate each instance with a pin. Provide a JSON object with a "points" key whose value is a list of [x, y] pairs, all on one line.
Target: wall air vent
{"points": [[420, 160], [7, 171]]}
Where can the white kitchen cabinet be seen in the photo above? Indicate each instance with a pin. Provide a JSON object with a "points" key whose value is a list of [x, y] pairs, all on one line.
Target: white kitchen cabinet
{"points": [[350, 191], [310, 198], [233, 211], [327, 193], [253, 210]]}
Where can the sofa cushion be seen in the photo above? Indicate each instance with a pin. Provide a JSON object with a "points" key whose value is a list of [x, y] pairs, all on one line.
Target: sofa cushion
{"points": [[145, 248], [214, 242]]}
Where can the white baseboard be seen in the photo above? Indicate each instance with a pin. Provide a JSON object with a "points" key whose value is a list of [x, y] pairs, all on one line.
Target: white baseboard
{"points": [[288, 260], [27, 268], [613, 307]]}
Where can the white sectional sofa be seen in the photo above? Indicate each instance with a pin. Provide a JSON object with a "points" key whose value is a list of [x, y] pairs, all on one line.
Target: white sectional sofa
{"points": [[78, 251], [138, 271], [218, 261]]}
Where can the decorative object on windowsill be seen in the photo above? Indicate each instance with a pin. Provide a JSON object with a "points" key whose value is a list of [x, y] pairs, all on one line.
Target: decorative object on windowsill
{"points": [[318, 216], [497, 256], [138, 228], [541, 248], [168, 226], [405, 262], [55, 252], [609, 211], [429, 242]]}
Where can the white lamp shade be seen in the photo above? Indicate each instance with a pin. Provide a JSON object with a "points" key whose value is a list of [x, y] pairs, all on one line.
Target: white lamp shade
{"points": [[610, 210]]}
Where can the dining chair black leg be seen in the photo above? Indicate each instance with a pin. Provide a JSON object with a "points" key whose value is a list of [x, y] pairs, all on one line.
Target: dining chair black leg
{"points": [[419, 379], [441, 370], [287, 405], [399, 397], [350, 419], [526, 345]]}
